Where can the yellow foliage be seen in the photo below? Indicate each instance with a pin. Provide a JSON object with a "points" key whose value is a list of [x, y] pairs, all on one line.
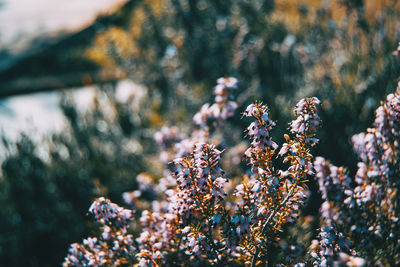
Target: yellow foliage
{"points": [[287, 12], [123, 42], [115, 39], [157, 6], [156, 119]]}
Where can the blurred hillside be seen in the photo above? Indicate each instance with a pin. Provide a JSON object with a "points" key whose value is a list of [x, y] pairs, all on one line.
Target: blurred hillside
{"points": [[172, 52], [41, 43], [339, 51]]}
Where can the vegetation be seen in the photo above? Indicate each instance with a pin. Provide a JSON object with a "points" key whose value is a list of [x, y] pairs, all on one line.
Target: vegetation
{"points": [[174, 50], [200, 217]]}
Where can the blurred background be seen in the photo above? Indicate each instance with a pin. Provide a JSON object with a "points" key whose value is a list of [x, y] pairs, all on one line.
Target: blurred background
{"points": [[84, 85]]}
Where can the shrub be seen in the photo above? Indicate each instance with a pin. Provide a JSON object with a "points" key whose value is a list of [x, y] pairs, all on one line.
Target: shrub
{"points": [[46, 186], [201, 217], [280, 51], [366, 208]]}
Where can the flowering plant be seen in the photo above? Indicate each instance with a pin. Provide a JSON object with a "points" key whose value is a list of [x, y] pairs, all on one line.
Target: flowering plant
{"points": [[364, 209], [202, 217]]}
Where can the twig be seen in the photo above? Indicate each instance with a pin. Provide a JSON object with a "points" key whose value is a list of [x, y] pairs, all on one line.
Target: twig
{"points": [[291, 192]]}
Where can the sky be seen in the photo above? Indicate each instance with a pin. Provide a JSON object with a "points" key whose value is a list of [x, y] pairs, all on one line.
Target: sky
{"points": [[22, 20]]}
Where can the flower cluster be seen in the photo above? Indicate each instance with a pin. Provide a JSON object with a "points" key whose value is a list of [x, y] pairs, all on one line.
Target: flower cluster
{"points": [[199, 215], [262, 147], [210, 117], [333, 249], [223, 108], [115, 246], [366, 208], [184, 227], [108, 213], [270, 197], [307, 120]]}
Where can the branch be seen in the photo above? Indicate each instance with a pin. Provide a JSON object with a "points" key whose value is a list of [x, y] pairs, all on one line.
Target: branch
{"points": [[290, 194]]}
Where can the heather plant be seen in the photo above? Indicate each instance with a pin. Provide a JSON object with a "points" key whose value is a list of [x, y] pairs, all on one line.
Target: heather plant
{"points": [[114, 246], [281, 51], [204, 216], [199, 216], [364, 211], [47, 185]]}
